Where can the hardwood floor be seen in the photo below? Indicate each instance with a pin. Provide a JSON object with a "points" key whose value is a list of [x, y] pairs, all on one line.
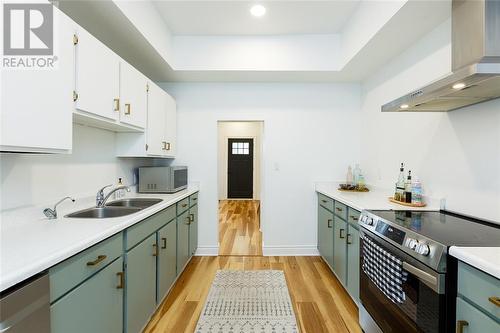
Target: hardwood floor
{"points": [[239, 228], [320, 302]]}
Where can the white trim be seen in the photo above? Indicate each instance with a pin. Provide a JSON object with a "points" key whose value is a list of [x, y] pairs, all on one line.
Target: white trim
{"points": [[207, 251], [301, 250]]}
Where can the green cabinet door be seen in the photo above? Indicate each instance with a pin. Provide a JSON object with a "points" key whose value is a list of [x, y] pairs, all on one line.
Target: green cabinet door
{"points": [[140, 284], [325, 234], [353, 262], [94, 306], [193, 230], [473, 320], [167, 240], [182, 241], [340, 249]]}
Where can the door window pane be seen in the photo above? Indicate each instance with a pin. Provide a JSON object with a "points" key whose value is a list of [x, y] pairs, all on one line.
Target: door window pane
{"points": [[240, 148]]}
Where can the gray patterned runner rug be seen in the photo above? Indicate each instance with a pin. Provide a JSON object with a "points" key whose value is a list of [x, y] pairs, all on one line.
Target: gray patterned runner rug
{"points": [[248, 301]]}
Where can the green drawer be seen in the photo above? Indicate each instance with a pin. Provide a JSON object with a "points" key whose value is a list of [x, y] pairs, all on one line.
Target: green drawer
{"points": [[325, 201], [341, 210], [193, 199], [353, 216], [143, 229], [182, 206], [475, 321], [71, 272], [478, 287]]}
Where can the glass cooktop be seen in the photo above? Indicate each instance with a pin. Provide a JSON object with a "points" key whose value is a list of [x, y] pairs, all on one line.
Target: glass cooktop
{"points": [[443, 227]]}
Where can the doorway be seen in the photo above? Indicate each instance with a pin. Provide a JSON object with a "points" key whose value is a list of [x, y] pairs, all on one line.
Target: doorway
{"points": [[239, 162]]}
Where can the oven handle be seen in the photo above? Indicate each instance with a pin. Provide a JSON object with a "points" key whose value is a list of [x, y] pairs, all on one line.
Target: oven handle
{"points": [[423, 276]]}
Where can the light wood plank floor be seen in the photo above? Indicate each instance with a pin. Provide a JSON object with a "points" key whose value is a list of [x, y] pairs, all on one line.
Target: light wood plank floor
{"points": [[239, 228]]}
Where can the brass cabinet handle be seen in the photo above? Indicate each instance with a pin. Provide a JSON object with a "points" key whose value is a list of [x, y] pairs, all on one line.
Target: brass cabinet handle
{"points": [[97, 261], [354, 218], [194, 199], [121, 276], [329, 223], [164, 145], [188, 221], [460, 325], [349, 241], [324, 201], [340, 233], [117, 104], [191, 217], [164, 243], [338, 209], [184, 205], [155, 250], [495, 300], [127, 108]]}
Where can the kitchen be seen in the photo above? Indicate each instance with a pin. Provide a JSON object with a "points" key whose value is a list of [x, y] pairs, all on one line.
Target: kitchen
{"points": [[317, 74]]}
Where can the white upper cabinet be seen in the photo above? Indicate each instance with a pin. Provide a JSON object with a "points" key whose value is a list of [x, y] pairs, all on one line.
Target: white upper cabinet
{"points": [[170, 133], [133, 96], [157, 116], [37, 105], [97, 85]]}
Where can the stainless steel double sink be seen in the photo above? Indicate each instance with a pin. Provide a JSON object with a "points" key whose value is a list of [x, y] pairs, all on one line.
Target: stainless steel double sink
{"points": [[116, 208]]}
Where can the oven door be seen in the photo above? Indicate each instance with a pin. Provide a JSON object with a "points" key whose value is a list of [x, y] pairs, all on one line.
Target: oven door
{"points": [[420, 307]]}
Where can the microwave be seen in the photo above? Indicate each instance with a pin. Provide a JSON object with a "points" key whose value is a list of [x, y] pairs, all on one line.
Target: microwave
{"points": [[162, 179]]}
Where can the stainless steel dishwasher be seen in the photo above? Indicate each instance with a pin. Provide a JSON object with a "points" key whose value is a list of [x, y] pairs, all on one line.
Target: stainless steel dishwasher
{"points": [[27, 308]]}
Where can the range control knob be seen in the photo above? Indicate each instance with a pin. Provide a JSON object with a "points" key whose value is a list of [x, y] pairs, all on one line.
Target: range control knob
{"points": [[423, 249], [369, 221], [411, 243]]}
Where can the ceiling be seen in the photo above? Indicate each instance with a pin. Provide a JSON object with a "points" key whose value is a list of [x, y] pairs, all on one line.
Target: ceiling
{"points": [[233, 17]]}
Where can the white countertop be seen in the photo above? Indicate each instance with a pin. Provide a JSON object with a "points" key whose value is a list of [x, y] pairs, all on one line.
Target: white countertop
{"points": [[486, 259], [376, 198], [30, 243]]}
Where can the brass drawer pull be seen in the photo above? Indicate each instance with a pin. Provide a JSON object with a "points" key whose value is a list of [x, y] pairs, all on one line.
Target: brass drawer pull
{"points": [[349, 241], [167, 146], [354, 218], [194, 199], [324, 201], [164, 243], [127, 109], [329, 223], [121, 279], [184, 205], [338, 209], [188, 221], [340, 233], [460, 325], [117, 104], [155, 250], [495, 300], [191, 217], [97, 261], [164, 143]]}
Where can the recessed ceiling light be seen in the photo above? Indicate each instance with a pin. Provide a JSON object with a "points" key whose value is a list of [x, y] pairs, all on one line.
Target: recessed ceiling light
{"points": [[458, 86], [258, 10], [404, 106]]}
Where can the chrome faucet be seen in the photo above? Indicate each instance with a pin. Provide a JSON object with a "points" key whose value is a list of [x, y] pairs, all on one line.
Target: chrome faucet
{"points": [[100, 199], [52, 213]]}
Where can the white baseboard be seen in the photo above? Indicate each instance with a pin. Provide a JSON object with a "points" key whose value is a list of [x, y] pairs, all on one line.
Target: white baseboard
{"points": [[207, 251], [303, 250]]}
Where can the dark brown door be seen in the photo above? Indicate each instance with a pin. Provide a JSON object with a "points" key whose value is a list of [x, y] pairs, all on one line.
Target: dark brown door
{"points": [[240, 169]]}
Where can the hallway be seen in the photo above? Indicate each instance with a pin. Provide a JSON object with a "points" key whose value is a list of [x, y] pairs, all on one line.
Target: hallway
{"points": [[239, 228]]}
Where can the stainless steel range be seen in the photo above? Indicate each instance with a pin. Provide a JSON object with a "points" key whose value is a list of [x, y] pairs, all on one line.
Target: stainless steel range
{"points": [[407, 279]]}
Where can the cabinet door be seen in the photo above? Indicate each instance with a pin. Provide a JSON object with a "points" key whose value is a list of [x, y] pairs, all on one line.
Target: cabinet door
{"points": [[325, 234], [167, 258], [94, 306], [141, 284], [170, 134], [474, 319], [97, 77], [193, 230], [36, 106], [155, 131], [133, 96], [340, 249], [353, 262], [182, 241]]}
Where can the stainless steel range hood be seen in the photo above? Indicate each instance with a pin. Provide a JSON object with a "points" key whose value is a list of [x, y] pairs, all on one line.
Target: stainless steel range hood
{"points": [[475, 62]]}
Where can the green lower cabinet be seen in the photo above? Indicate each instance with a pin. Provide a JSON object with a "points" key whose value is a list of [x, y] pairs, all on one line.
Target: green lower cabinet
{"points": [[472, 320], [141, 284], [183, 221], [353, 262], [193, 230], [167, 258], [340, 249], [94, 306], [325, 234]]}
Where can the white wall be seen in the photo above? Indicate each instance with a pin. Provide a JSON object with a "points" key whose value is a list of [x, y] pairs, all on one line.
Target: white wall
{"points": [[310, 135], [28, 179], [239, 129], [456, 155]]}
